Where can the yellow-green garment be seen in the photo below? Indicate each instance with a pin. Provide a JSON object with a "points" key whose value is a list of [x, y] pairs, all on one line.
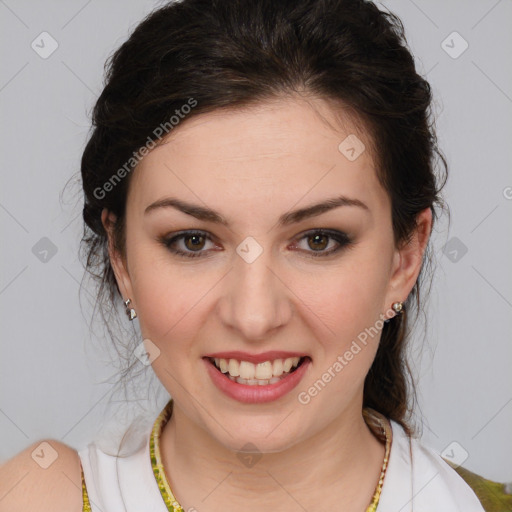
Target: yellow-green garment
{"points": [[492, 495]]}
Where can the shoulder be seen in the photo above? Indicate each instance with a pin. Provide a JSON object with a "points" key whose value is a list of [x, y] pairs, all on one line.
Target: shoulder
{"points": [[45, 476]]}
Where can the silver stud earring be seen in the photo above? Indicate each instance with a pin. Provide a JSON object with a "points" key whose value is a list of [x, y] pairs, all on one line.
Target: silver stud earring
{"points": [[129, 311]]}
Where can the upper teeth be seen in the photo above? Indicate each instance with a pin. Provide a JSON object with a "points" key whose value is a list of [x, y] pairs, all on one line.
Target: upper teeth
{"points": [[247, 370]]}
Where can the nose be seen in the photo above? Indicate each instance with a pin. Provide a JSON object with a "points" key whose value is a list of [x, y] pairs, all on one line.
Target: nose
{"points": [[255, 298]]}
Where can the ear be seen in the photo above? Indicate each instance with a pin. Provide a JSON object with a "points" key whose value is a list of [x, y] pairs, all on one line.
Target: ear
{"points": [[408, 259], [117, 261]]}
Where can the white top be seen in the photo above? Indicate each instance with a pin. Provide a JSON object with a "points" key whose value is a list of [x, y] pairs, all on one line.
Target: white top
{"points": [[417, 480]]}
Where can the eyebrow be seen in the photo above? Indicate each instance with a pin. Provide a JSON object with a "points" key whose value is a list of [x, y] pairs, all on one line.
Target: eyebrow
{"points": [[292, 217]]}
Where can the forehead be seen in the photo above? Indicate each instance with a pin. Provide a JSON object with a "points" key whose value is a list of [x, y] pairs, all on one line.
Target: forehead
{"points": [[282, 152]]}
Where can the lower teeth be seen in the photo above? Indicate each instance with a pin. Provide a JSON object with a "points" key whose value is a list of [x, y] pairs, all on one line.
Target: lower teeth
{"points": [[255, 382]]}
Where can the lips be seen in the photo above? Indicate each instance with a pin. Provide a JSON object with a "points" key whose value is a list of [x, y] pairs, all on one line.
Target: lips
{"points": [[256, 393]]}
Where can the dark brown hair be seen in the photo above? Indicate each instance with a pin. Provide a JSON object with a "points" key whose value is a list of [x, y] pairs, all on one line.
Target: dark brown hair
{"points": [[233, 53]]}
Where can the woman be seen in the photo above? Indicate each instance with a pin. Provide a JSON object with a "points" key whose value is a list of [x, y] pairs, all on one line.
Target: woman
{"points": [[259, 193]]}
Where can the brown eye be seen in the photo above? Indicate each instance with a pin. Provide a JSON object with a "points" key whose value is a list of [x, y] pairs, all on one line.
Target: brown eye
{"points": [[318, 242], [323, 242], [189, 244], [196, 241]]}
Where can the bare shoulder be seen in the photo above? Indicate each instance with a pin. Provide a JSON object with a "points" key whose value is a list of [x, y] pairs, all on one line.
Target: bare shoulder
{"points": [[45, 476]]}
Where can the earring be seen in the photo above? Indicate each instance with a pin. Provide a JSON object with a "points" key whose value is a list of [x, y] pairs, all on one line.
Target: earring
{"points": [[398, 307], [130, 311]]}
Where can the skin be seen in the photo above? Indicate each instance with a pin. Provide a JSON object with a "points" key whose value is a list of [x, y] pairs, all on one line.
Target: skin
{"points": [[252, 166]]}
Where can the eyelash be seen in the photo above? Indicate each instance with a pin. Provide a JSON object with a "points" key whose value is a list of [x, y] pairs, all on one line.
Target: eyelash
{"points": [[341, 238]]}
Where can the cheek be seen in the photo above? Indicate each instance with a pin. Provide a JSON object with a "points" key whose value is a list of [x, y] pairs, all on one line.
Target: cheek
{"points": [[165, 298], [348, 301], [165, 310], [169, 318], [351, 311]]}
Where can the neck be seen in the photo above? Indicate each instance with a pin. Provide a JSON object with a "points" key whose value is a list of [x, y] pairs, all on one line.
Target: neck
{"points": [[207, 476]]}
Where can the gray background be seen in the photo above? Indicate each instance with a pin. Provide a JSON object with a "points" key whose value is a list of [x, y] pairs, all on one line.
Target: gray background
{"points": [[55, 377]]}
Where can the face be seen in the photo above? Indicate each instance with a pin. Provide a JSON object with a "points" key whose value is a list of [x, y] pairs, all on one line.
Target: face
{"points": [[317, 283]]}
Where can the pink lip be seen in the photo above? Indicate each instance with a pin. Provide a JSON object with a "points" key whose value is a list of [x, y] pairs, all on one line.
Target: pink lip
{"points": [[256, 394], [255, 358]]}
